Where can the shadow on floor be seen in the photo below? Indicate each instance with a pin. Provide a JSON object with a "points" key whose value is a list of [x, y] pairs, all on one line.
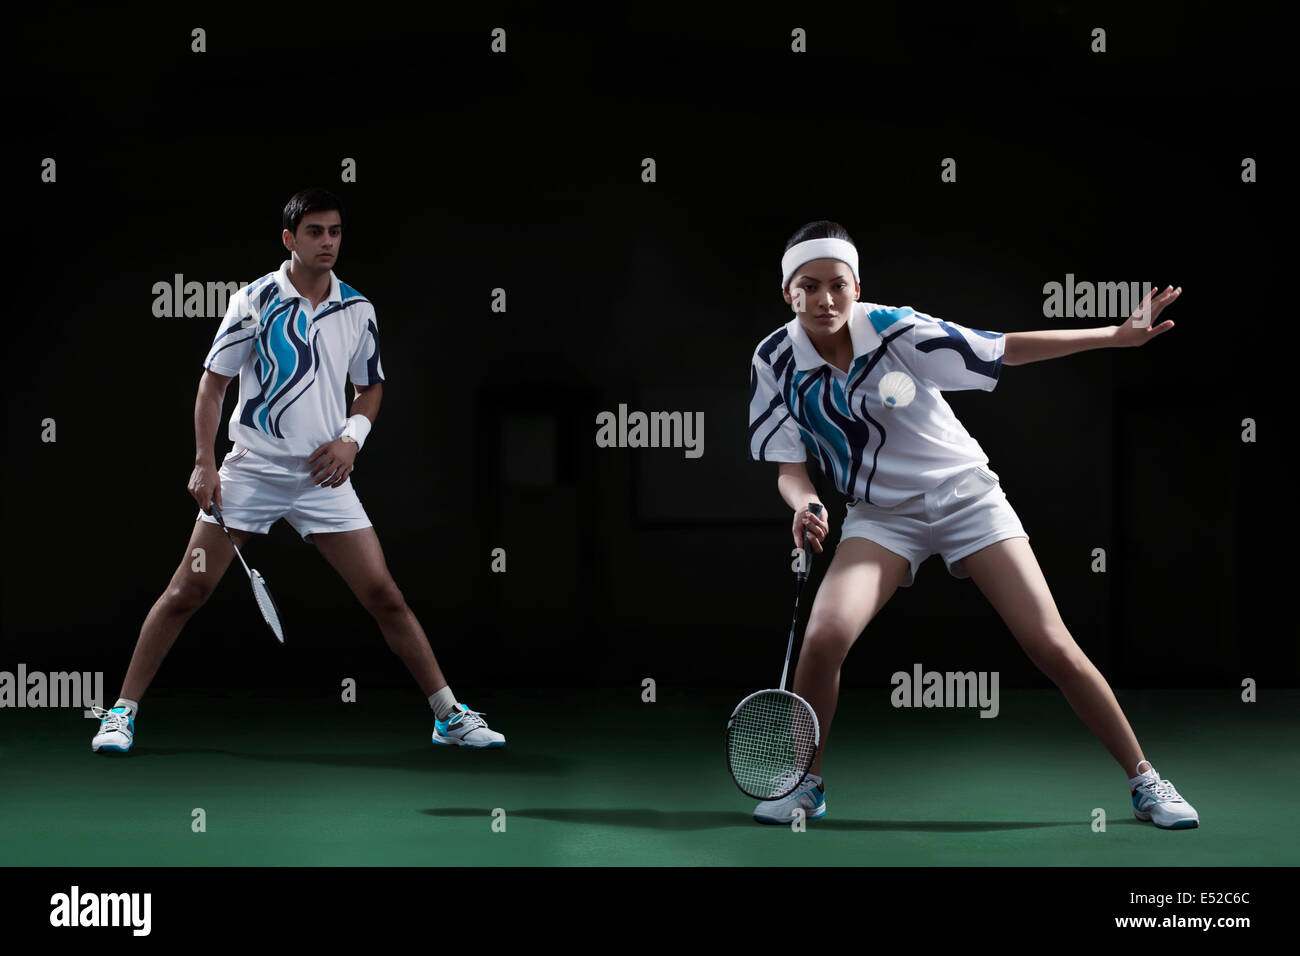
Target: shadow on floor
{"points": [[716, 819], [442, 759]]}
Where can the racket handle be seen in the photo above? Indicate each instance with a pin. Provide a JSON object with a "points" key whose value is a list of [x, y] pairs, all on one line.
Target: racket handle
{"points": [[816, 508]]}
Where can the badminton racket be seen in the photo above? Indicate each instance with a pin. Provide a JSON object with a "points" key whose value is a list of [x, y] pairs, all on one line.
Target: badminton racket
{"points": [[772, 735], [261, 593]]}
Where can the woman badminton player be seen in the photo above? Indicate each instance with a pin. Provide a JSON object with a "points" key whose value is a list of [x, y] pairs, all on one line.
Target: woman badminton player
{"points": [[917, 484]]}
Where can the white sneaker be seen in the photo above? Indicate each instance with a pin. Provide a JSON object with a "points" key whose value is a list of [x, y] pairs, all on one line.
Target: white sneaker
{"points": [[466, 728], [116, 731], [810, 795], [1157, 801]]}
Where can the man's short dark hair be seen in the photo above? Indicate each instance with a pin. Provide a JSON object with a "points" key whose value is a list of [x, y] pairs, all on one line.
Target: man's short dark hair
{"points": [[309, 201]]}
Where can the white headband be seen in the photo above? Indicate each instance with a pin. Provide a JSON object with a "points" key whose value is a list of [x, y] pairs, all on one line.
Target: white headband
{"points": [[812, 249]]}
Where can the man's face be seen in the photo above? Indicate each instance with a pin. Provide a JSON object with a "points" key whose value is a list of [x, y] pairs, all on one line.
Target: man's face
{"points": [[316, 243], [822, 292]]}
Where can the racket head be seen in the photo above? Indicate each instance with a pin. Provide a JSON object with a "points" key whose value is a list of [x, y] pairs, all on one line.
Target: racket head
{"points": [[772, 739], [266, 604]]}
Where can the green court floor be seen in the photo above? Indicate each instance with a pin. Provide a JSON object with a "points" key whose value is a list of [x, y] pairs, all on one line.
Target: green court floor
{"points": [[606, 779]]}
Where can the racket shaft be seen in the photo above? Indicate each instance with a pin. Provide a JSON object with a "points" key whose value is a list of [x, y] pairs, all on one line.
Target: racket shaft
{"points": [[788, 648]]}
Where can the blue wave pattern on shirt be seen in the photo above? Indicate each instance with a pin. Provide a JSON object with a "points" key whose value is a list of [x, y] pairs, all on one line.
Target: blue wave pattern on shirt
{"points": [[351, 297], [286, 351], [765, 352], [823, 409], [284, 360], [957, 342], [819, 406], [239, 332]]}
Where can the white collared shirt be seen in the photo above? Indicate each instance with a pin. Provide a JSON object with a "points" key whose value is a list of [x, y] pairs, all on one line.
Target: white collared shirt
{"points": [[799, 403], [293, 361]]}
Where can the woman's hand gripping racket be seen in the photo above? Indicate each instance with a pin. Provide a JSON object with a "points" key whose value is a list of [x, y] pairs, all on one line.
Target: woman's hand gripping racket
{"points": [[261, 593], [773, 736]]}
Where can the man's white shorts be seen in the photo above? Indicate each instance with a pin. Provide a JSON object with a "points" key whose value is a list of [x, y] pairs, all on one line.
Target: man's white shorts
{"points": [[964, 514], [257, 492]]}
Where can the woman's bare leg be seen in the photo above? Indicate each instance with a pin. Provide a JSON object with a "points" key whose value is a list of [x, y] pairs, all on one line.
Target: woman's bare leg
{"points": [[861, 578], [1009, 576]]}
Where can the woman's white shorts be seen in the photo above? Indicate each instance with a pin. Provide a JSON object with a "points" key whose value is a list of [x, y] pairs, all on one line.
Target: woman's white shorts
{"points": [[257, 492], [964, 514]]}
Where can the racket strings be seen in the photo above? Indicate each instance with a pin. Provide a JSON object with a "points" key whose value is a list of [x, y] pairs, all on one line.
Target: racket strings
{"points": [[771, 743], [266, 605]]}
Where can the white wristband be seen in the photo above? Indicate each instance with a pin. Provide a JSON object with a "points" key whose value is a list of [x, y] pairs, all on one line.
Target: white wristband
{"points": [[357, 428]]}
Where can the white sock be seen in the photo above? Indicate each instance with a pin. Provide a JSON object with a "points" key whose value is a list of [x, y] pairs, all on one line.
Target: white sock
{"points": [[1141, 778], [443, 703], [132, 708]]}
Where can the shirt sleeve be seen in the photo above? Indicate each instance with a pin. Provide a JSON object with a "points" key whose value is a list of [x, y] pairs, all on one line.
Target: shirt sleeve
{"points": [[234, 340], [773, 434], [950, 356], [365, 368]]}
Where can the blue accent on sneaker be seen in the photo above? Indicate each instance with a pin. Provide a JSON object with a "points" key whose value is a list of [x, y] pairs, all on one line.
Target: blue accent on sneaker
{"points": [[817, 811], [442, 725], [130, 723]]}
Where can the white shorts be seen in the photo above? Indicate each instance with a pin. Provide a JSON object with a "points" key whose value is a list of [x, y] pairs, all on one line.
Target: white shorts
{"points": [[964, 514], [256, 493]]}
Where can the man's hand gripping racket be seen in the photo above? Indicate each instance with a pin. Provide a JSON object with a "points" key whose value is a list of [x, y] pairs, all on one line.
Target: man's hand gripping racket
{"points": [[772, 735]]}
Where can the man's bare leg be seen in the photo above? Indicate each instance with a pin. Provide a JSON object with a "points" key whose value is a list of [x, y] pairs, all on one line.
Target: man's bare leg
{"points": [[188, 591], [359, 559]]}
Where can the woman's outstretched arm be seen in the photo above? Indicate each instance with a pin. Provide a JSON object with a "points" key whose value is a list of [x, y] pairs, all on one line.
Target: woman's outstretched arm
{"points": [[1025, 347]]}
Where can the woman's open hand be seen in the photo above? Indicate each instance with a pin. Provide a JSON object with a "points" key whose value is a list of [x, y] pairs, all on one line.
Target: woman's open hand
{"points": [[1130, 334]]}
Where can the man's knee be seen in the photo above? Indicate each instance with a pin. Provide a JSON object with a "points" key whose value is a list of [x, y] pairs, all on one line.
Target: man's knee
{"points": [[384, 599], [185, 597]]}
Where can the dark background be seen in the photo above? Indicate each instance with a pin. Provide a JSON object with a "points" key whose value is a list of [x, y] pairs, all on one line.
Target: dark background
{"points": [[522, 172]]}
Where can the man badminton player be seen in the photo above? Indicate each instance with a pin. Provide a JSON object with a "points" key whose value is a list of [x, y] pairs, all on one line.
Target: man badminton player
{"points": [[292, 337], [917, 483]]}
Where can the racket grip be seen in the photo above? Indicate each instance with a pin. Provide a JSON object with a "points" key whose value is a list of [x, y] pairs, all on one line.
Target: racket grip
{"points": [[816, 508]]}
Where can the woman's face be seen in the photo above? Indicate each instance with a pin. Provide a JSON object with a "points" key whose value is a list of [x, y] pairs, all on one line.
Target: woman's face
{"points": [[822, 293]]}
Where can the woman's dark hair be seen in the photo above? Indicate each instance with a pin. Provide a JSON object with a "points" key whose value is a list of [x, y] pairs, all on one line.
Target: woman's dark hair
{"points": [[821, 229], [309, 201]]}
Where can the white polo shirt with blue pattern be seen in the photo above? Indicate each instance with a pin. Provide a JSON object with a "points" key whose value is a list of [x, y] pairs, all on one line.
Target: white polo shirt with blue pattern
{"points": [[801, 404], [293, 362]]}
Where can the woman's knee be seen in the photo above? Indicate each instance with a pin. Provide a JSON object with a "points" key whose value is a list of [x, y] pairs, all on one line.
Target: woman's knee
{"points": [[1056, 654], [829, 638]]}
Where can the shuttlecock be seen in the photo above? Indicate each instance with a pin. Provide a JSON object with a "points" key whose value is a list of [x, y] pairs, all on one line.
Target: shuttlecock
{"points": [[897, 390]]}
